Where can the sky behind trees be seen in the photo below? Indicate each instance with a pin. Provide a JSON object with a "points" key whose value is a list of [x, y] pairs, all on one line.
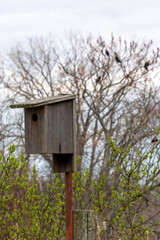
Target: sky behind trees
{"points": [[20, 19]]}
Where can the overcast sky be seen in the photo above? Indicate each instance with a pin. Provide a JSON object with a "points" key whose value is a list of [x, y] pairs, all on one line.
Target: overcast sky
{"points": [[19, 19]]}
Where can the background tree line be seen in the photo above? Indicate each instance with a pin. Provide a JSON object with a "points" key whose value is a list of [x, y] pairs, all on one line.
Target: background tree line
{"points": [[116, 83]]}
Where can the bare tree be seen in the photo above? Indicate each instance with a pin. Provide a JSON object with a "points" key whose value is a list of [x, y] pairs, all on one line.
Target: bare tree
{"points": [[118, 95]]}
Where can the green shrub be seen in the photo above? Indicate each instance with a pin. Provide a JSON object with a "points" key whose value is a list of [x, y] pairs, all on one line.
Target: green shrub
{"points": [[26, 212]]}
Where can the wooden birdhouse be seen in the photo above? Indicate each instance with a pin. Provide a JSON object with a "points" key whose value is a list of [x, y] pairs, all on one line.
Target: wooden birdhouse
{"points": [[50, 129]]}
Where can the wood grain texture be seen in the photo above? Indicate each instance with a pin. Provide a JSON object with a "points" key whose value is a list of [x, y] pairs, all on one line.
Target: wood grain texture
{"points": [[74, 161], [43, 101], [60, 128], [83, 225], [35, 131], [63, 163]]}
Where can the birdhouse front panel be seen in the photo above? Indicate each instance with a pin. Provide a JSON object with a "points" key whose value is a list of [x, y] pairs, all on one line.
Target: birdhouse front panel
{"points": [[60, 139], [35, 130]]}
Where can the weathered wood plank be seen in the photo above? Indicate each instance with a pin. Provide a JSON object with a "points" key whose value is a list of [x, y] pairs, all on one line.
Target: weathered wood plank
{"points": [[63, 163], [83, 225], [35, 130], [60, 128], [74, 161], [43, 101]]}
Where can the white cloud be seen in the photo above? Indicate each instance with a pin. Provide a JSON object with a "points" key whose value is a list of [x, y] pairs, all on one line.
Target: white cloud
{"points": [[22, 18]]}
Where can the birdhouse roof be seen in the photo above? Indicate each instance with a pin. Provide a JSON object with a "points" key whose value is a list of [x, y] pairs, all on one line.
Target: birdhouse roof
{"points": [[44, 101]]}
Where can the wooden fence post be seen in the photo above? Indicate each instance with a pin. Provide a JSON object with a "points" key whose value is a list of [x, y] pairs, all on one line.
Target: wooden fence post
{"points": [[83, 225]]}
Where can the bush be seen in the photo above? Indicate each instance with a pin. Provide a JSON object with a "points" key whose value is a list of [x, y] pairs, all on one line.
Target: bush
{"points": [[25, 211], [127, 207]]}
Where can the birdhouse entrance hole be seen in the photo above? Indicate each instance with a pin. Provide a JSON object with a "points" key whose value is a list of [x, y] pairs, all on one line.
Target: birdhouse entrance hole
{"points": [[34, 117]]}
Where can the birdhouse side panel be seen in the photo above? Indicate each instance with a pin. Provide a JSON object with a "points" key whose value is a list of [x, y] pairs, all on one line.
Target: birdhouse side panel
{"points": [[35, 130], [60, 128]]}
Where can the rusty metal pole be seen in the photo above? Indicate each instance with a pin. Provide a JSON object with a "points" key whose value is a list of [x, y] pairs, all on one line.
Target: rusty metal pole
{"points": [[69, 210]]}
